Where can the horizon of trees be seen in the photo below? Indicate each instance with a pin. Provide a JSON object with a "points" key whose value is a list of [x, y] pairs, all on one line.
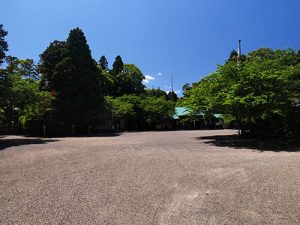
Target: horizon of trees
{"points": [[70, 90]]}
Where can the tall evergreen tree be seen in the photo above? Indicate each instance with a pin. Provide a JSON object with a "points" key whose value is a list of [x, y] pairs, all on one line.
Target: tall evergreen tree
{"points": [[172, 96], [3, 49], [117, 66], [103, 63], [233, 56], [3, 43], [117, 76], [79, 95]]}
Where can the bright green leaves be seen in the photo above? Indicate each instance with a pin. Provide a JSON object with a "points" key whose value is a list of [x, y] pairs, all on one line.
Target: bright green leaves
{"points": [[260, 91], [144, 108]]}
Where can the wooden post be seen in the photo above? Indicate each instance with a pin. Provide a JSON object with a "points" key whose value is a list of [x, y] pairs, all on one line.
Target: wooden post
{"points": [[90, 130], [44, 130], [73, 130]]}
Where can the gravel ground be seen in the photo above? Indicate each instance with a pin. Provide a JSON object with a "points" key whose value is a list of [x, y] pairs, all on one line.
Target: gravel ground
{"points": [[180, 177]]}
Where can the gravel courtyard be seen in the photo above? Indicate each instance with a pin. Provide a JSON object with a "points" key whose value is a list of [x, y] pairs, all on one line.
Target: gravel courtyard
{"points": [[179, 177]]}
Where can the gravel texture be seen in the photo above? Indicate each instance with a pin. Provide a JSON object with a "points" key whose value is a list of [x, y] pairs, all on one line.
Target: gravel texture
{"points": [[180, 177]]}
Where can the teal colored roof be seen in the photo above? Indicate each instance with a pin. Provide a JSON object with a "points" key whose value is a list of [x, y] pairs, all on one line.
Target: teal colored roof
{"points": [[183, 111], [218, 116]]}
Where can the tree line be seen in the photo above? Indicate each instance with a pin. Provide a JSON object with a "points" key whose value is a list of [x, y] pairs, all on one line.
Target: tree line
{"points": [[70, 90], [259, 92]]}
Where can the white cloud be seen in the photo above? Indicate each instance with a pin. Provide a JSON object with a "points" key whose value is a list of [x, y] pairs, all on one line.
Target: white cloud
{"points": [[159, 74], [176, 92], [148, 78]]}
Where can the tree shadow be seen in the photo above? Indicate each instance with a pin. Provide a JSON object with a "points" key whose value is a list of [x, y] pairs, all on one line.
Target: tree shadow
{"points": [[237, 142], [94, 135], [12, 142]]}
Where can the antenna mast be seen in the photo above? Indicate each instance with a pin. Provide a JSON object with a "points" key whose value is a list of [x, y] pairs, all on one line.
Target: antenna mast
{"points": [[172, 83], [239, 49]]}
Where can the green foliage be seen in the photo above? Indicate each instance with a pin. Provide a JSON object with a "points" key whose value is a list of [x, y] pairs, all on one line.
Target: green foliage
{"points": [[3, 43], [107, 82], [2, 114], [172, 96], [103, 63], [157, 109], [260, 93], [140, 108], [48, 62], [130, 80], [233, 56], [186, 87], [123, 79], [78, 93], [117, 66], [68, 87], [156, 93], [120, 107], [21, 100], [38, 109]]}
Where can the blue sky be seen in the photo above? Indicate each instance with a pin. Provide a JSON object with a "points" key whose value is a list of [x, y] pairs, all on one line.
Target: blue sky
{"points": [[185, 39]]}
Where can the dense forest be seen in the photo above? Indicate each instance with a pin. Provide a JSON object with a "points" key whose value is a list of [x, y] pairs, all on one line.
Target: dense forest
{"points": [[257, 93], [69, 91]]}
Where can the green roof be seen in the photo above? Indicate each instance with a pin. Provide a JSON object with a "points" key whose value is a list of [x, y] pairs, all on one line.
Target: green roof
{"points": [[183, 111], [218, 115]]}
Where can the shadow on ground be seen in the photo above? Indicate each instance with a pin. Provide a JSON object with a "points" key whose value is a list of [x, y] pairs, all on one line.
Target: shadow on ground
{"points": [[235, 141], [6, 143], [96, 135]]}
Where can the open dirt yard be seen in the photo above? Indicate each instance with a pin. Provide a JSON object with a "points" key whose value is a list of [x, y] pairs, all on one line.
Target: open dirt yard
{"points": [[179, 177]]}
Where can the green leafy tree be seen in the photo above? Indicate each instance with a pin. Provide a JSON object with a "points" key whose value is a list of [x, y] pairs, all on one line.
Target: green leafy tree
{"points": [[48, 62], [127, 78], [120, 107], [157, 109], [186, 87], [38, 109], [260, 93], [172, 96], [155, 93], [130, 80], [20, 92], [233, 56], [107, 82]]}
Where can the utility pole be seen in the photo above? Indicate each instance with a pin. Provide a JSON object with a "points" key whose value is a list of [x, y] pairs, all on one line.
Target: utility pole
{"points": [[172, 83], [239, 50], [172, 89]]}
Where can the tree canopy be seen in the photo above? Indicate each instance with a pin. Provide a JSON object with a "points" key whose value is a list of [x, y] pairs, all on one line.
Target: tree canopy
{"points": [[258, 92], [68, 88], [261, 93], [3, 43]]}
